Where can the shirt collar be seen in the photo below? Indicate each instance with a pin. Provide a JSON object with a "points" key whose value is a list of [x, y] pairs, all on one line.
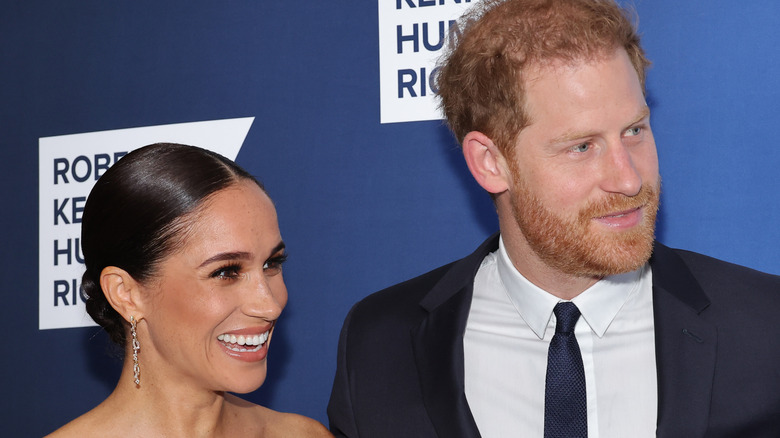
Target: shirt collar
{"points": [[599, 304]]}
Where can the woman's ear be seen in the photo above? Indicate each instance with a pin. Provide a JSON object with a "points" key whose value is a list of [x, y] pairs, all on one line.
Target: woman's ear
{"points": [[485, 162], [122, 292]]}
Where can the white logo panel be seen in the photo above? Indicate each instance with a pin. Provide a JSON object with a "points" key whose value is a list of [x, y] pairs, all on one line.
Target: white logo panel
{"points": [[412, 34], [68, 166]]}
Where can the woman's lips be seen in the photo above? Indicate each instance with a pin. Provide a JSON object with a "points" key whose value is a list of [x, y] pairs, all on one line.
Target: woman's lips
{"points": [[238, 342], [248, 345]]}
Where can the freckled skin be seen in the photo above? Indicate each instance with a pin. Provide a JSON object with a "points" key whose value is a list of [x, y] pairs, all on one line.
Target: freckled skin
{"points": [[198, 294], [588, 152], [190, 308]]}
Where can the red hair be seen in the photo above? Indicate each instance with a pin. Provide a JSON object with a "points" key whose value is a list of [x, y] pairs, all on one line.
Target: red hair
{"points": [[480, 79]]}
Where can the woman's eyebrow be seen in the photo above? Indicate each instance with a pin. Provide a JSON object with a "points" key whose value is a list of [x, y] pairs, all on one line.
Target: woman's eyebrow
{"points": [[223, 256]]}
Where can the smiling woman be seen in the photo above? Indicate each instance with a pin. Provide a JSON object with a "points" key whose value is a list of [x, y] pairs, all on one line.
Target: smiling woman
{"points": [[183, 260]]}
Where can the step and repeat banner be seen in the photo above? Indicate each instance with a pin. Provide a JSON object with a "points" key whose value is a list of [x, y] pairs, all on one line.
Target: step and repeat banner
{"points": [[332, 105], [69, 165], [412, 35]]}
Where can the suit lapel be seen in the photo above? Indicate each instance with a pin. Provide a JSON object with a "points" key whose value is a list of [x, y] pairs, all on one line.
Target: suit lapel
{"points": [[686, 346], [438, 350], [438, 346]]}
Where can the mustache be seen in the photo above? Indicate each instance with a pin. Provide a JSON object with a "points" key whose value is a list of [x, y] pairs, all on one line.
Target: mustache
{"points": [[615, 203]]}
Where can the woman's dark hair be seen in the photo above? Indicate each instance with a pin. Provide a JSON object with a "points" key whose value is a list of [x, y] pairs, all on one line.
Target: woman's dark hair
{"points": [[135, 215]]}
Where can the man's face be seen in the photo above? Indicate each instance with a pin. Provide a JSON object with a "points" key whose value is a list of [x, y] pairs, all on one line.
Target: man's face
{"points": [[584, 184]]}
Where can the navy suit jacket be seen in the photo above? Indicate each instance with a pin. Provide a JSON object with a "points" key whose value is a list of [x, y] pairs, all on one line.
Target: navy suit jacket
{"points": [[717, 329]]}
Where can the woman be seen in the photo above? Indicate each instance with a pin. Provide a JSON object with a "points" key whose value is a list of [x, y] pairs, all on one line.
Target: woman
{"points": [[183, 263]]}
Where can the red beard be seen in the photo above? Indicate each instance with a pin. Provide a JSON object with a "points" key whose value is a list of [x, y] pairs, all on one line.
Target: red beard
{"points": [[572, 246]]}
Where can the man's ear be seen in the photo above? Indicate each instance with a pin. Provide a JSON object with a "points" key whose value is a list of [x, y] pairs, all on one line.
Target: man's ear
{"points": [[486, 163], [122, 292]]}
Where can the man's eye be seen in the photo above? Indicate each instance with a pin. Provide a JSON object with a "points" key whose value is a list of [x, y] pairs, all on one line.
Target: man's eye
{"points": [[633, 131], [581, 147]]}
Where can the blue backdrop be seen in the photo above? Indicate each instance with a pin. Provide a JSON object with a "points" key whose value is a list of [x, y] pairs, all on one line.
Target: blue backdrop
{"points": [[361, 205]]}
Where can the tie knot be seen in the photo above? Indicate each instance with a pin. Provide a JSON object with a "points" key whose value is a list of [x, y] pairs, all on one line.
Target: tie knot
{"points": [[566, 315]]}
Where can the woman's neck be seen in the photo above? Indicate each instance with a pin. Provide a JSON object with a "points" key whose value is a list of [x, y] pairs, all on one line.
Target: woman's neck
{"points": [[172, 406]]}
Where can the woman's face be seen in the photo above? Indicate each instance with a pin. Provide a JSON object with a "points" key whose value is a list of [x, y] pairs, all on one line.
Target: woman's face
{"points": [[213, 305]]}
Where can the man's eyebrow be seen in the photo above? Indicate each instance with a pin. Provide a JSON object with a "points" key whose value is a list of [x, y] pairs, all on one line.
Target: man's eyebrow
{"points": [[644, 112], [569, 136]]}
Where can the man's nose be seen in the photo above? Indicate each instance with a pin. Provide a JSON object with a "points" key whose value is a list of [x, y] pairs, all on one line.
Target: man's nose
{"points": [[619, 171]]}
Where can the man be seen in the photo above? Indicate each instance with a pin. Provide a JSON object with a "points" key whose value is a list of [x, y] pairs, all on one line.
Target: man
{"points": [[571, 321]]}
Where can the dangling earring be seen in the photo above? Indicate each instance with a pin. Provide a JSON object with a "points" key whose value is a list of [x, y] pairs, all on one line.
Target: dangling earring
{"points": [[136, 347]]}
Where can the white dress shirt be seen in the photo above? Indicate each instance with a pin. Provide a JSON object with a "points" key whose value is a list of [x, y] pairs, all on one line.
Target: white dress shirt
{"points": [[508, 332]]}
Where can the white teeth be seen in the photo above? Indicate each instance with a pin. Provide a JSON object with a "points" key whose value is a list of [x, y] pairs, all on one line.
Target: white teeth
{"points": [[250, 341]]}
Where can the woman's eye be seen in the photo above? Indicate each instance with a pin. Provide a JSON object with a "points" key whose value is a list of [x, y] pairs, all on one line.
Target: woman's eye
{"points": [[273, 265], [227, 272]]}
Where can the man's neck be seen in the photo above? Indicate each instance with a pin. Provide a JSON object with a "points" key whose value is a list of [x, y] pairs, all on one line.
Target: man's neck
{"points": [[529, 265]]}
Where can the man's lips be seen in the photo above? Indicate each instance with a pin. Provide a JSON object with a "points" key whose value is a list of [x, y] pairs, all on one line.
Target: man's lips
{"points": [[622, 219]]}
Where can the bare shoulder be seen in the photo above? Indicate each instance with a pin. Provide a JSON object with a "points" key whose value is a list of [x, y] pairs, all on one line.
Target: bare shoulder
{"points": [[299, 426], [63, 432], [275, 424], [84, 426], [71, 429]]}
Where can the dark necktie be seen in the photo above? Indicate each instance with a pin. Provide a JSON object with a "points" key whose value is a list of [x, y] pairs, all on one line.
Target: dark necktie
{"points": [[565, 405]]}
